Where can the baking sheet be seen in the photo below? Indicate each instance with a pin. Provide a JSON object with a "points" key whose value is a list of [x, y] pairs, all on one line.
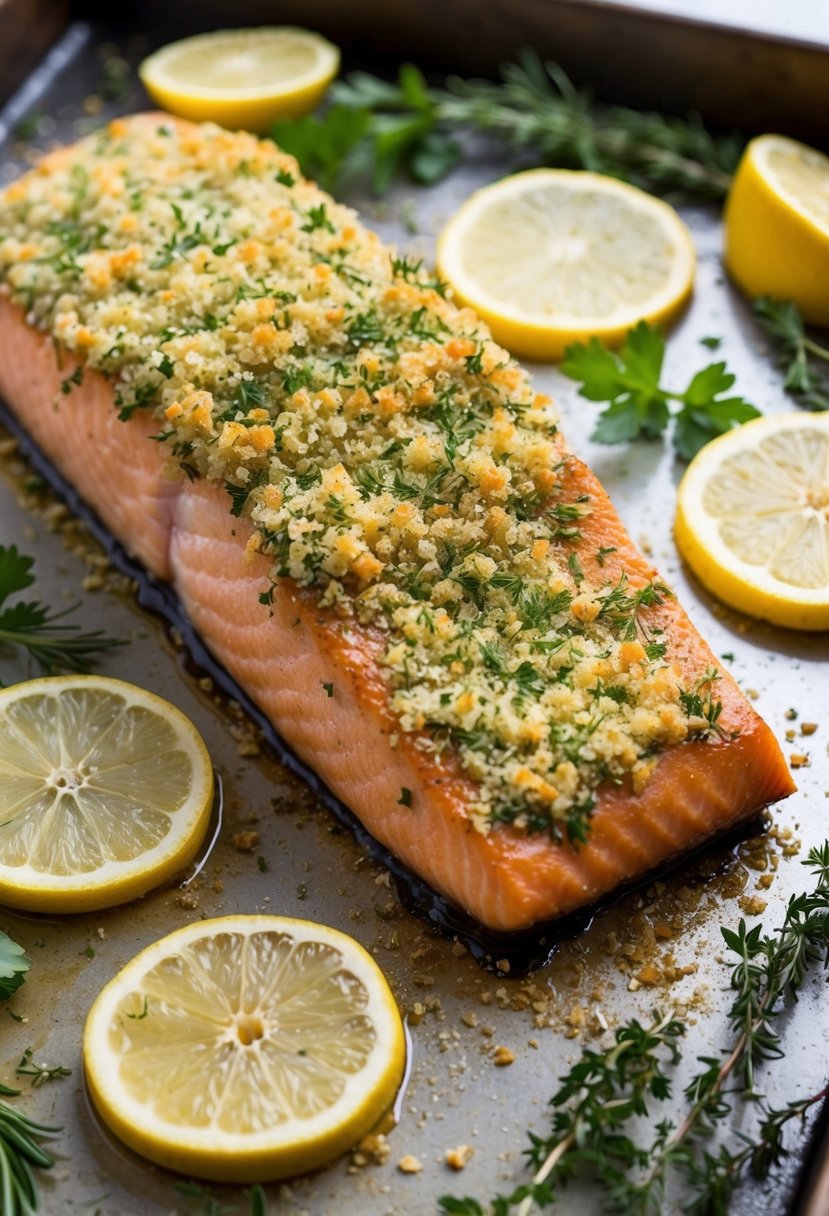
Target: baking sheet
{"points": [[311, 867]]}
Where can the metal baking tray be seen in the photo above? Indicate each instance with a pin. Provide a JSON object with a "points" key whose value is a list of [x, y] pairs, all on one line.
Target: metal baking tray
{"points": [[312, 866]]}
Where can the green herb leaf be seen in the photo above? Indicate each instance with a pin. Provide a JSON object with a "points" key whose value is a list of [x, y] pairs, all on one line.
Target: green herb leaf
{"points": [[13, 966], [706, 413], [40, 1073], [608, 1097], [31, 624], [535, 110], [639, 405], [322, 145], [20, 1156], [629, 380], [258, 1201], [800, 356]]}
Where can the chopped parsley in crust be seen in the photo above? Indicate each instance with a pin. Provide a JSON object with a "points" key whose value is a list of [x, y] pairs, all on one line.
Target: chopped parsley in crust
{"points": [[386, 450]]}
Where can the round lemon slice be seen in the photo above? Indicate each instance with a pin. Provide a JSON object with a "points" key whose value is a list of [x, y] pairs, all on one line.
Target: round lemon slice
{"points": [[105, 792], [242, 78], [777, 224], [245, 1048], [752, 519], [551, 257]]}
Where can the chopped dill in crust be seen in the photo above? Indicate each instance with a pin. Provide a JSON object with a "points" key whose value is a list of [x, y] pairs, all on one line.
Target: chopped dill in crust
{"points": [[383, 447]]}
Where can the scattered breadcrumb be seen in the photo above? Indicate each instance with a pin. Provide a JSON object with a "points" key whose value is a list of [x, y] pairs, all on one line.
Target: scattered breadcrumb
{"points": [[458, 1158], [409, 1165], [245, 841]]}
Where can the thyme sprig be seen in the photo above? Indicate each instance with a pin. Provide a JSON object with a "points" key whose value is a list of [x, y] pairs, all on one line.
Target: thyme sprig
{"points": [[20, 1155], [535, 110], [40, 1073], [803, 360], [604, 1091]]}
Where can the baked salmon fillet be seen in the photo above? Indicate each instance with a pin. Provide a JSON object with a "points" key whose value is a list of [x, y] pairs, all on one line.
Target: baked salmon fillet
{"points": [[370, 517]]}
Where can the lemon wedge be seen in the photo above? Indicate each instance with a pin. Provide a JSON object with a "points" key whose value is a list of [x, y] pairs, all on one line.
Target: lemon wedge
{"points": [[242, 78], [105, 792], [245, 1048], [777, 224], [549, 257], [753, 519]]}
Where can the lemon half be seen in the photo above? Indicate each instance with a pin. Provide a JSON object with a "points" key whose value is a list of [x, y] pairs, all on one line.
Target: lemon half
{"points": [[245, 1048], [753, 519], [777, 224], [105, 792], [242, 78], [549, 257]]}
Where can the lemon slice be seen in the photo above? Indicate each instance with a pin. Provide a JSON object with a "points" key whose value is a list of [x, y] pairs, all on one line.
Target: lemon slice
{"points": [[753, 519], [245, 1048], [242, 78], [777, 224], [551, 257], [105, 792]]}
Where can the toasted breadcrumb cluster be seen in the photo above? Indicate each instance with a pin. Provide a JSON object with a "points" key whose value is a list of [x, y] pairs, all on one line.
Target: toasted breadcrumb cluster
{"points": [[386, 450]]}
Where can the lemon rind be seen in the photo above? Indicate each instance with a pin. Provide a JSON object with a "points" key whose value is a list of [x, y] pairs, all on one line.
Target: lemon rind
{"points": [[759, 150], [722, 572], [154, 76], [248, 1157], [116, 882], [534, 334]]}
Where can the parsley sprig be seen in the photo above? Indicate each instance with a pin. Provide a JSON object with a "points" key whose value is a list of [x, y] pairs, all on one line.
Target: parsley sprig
{"points": [[534, 110], [32, 625], [13, 966], [639, 405], [803, 360], [605, 1091]]}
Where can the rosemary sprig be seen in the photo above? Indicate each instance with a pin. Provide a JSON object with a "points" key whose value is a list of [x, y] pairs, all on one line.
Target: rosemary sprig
{"points": [[603, 1092], [20, 1156], [32, 625], [535, 111], [798, 355]]}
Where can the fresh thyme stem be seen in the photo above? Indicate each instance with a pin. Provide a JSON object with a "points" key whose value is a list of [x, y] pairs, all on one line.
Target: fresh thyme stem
{"points": [[797, 354], [602, 1092], [534, 109], [820, 352]]}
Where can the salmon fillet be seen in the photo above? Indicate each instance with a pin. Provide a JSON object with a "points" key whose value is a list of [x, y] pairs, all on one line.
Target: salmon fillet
{"points": [[321, 680]]}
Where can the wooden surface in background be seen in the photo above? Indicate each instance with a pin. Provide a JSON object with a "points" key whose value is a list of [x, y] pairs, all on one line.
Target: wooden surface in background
{"points": [[27, 30]]}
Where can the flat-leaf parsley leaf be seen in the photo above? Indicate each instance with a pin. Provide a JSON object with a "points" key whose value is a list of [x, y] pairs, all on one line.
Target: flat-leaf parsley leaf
{"points": [[639, 405], [13, 966]]}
